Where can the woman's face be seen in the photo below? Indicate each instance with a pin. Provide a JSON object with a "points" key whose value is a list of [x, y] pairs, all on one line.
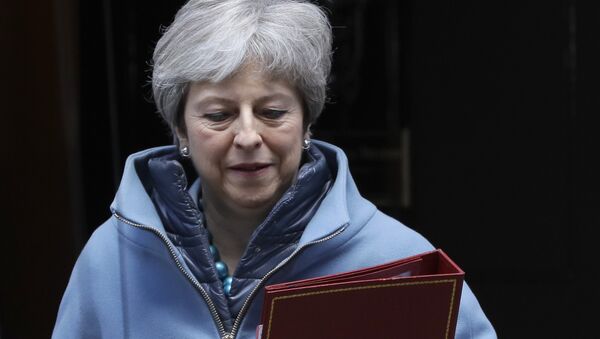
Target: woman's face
{"points": [[245, 138]]}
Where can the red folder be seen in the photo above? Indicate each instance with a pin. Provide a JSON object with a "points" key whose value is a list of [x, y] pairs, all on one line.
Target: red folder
{"points": [[415, 297]]}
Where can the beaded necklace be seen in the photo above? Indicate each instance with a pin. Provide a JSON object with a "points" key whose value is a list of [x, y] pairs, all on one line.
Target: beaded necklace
{"points": [[221, 266]]}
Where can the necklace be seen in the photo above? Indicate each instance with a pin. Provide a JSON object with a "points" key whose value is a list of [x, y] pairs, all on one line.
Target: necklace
{"points": [[221, 266]]}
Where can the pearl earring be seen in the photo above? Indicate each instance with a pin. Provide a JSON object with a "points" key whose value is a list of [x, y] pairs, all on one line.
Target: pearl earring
{"points": [[306, 144], [184, 151]]}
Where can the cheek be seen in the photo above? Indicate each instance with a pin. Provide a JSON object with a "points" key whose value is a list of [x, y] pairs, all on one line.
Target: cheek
{"points": [[207, 149], [291, 152], [205, 141]]}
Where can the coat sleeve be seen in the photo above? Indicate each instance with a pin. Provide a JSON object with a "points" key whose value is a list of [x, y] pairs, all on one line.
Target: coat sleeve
{"points": [[89, 304], [384, 232], [76, 318], [472, 322], [76, 314]]}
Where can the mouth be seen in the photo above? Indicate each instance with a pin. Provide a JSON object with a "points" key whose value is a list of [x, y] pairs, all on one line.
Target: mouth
{"points": [[249, 167]]}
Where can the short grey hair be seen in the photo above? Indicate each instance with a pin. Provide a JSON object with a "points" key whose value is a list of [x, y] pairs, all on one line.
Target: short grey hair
{"points": [[210, 40]]}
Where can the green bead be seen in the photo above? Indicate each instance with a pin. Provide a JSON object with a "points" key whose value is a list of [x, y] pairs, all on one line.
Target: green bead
{"points": [[214, 252], [222, 269], [227, 285]]}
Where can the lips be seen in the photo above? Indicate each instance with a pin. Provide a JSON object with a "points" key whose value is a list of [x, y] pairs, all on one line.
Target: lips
{"points": [[250, 167]]}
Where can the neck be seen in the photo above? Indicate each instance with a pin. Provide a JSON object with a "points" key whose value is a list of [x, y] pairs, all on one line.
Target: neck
{"points": [[231, 229]]}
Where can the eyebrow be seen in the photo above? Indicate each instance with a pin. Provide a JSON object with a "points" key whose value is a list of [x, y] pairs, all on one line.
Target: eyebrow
{"points": [[276, 96], [203, 103], [215, 99]]}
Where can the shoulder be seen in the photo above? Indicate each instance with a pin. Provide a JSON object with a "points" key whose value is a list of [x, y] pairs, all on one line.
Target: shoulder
{"points": [[115, 260], [389, 231], [113, 241], [95, 257], [385, 238], [111, 246], [369, 238]]}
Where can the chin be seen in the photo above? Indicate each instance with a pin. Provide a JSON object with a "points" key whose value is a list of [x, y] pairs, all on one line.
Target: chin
{"points": [[256, 201]]}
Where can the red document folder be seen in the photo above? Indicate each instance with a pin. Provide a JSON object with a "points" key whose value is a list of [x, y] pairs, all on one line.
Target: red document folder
{"points": [[415, 297]]}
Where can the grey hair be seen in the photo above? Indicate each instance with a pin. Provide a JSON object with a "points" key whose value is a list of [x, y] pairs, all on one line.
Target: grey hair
{"points": [[210, 40]]}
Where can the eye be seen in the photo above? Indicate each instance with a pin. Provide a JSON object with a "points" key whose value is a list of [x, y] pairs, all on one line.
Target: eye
{"points": [[217, 116], [273, 114]]}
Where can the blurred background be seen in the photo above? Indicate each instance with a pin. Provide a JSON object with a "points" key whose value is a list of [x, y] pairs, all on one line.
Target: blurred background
{"points": [[473, 122]]}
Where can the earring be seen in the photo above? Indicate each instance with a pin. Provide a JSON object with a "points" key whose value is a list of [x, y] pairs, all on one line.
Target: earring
{"points": [[184, 151], [306, 144]]}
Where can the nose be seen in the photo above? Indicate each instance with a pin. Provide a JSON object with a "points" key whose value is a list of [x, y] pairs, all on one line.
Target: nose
{"points": [[247, 134]]}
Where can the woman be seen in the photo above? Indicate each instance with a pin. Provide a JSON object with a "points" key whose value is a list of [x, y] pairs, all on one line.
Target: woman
{"points": [[245, 198]]}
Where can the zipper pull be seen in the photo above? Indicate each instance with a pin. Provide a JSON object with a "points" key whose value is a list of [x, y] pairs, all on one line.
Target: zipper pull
{"points": [[228, 336]]}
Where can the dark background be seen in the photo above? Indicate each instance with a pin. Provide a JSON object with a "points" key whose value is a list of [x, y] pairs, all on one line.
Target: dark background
{"points": [[474, 122]]}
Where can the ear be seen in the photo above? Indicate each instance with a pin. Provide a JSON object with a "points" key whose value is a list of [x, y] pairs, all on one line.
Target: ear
{"points": [[181, 137], [179, 127], [307, 133]]}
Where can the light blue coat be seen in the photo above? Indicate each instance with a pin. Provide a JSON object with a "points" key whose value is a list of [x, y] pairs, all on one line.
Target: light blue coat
{"points": [[130, 281]]}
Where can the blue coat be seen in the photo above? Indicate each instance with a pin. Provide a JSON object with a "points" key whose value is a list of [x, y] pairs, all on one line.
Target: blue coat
{"points": [[131, 281]]}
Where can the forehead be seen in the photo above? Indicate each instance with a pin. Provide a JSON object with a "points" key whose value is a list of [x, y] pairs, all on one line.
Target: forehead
{"points": [[248, 82]]}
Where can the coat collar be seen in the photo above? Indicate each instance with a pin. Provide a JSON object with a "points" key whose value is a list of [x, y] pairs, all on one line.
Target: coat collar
{"points": [[132, 201], [337, 208], [340, 208]]}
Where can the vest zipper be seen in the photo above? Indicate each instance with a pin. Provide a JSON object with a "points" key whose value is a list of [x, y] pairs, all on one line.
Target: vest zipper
{"points": [[196, 284], [246, 303]]}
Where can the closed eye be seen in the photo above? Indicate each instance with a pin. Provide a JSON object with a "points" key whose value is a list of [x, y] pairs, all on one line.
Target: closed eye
{"points": [[216, 116], [273, 114]]}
